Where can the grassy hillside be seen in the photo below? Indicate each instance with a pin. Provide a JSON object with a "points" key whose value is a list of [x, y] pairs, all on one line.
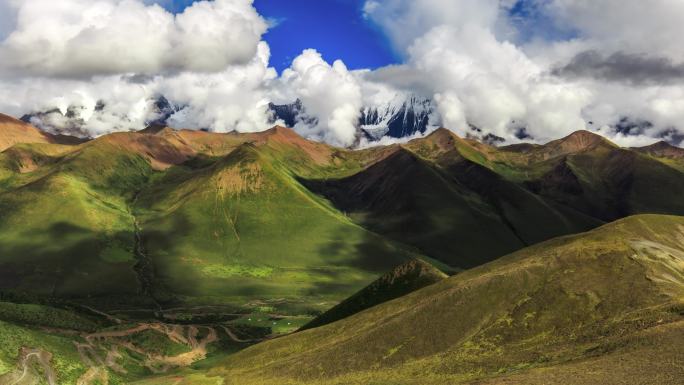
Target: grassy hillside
{"points": [[270, 215], [434, 195], [665, 153], [406, 199], [277, 216], [158, 213], [611, 295], [403, 279], [66, 229], [163, 252], [245, 228]]}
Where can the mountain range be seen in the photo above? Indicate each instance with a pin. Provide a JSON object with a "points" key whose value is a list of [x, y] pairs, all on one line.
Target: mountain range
{"points": [[179, 245], [400, 117]]}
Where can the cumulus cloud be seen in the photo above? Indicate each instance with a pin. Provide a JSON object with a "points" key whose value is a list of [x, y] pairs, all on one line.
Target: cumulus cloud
{"points": [[235, 99], [84, 38], [407, 20], [127, 105], [330, 93]]}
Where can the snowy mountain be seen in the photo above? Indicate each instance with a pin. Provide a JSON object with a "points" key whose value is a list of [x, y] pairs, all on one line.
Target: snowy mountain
{"points": [[82, 121], [399, 118]]}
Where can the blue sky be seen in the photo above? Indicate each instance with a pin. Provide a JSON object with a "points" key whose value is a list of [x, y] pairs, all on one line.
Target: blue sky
{"points": [[336, 28]]}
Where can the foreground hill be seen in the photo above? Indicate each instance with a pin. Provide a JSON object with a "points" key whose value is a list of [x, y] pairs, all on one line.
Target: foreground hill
{"points": [[600, 307]]}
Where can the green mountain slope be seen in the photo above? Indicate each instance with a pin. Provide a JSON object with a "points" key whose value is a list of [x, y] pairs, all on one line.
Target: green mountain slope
{"points": [[405, 198], [608, 295], [590, 174], [198, 244], [666, 153], [403, 279], [243, 227], [247, 214], [66, 229], [159, 217], [433, 196], [532, 218]]}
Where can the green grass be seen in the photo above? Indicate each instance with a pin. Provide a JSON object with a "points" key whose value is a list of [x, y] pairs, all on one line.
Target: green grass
{"points": [[39, 315], [81, 248], [65, 361], [402, 280], [157, 343]]}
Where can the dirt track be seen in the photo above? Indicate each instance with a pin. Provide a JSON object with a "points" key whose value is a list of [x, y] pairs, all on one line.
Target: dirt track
{"points": [[101, 351], [24, 371]]}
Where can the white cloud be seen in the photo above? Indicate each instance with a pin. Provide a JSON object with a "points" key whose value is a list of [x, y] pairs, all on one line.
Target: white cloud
{"points": [[461, 52], [232, 100], [330, 93], [406, 20], [653, 27], [477, 79], [83, 38]]}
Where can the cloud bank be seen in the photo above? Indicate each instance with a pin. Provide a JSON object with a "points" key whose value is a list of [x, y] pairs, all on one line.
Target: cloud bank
{"points": [[482, 63]]}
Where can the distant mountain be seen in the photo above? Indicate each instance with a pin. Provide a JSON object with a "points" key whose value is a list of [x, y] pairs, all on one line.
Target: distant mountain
{"points": [[162, 110], [76, 119], [55, 121], [287, 113], [398, 118], [662, 149]]}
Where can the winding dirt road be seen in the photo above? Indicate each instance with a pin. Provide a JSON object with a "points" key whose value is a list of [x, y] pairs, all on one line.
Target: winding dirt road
{"points": [[26, 355], [91, 355]]}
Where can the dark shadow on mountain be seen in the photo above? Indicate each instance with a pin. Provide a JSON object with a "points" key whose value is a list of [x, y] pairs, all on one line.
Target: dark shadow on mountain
{"points": [[411, 202]]}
